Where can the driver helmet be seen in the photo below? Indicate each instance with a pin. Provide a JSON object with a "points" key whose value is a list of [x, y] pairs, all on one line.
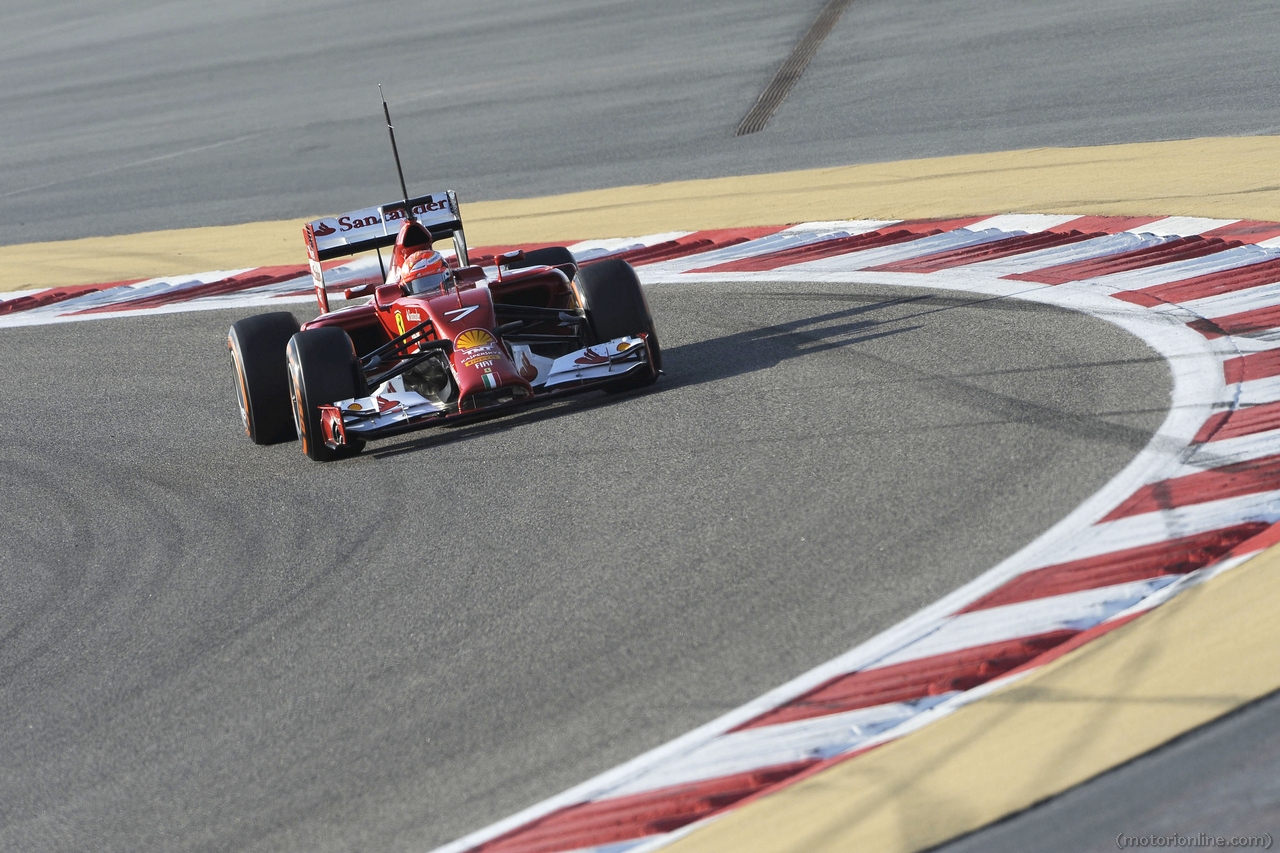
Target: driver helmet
{"points": [[425, 271]]}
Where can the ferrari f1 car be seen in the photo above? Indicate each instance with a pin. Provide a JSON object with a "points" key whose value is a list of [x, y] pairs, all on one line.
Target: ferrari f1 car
{"points": [[439, 341]]}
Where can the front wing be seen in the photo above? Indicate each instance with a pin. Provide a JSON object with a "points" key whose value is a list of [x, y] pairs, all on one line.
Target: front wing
{"points": [[393, 409]]}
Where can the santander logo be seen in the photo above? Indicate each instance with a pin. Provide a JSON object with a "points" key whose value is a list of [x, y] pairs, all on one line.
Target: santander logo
{"points": [[369, 217], [428, 206], [346, 223]]}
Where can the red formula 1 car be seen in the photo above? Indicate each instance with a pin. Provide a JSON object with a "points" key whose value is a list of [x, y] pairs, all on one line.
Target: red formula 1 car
{"points": [[438, 342]]}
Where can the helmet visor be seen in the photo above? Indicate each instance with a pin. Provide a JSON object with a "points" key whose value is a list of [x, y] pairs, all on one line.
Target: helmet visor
{"points": [[427, 282]]}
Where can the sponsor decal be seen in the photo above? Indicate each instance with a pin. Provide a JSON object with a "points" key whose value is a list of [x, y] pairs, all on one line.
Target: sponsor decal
{"points": [[472, 338], [414, 316], [527, 370], [399, 322], [490, 381], [355, 407], [429, 206], [346, 223], [458, 313], [369, 217], [591, 357], [481, 357], [384, 404], [624, 346]]}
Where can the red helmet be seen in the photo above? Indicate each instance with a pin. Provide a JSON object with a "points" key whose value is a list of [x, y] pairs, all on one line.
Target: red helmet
{"points": [[425, 271]]}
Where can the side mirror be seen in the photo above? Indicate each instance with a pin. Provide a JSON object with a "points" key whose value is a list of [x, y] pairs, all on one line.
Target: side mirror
{"points": [[386, 294], [506, 259]]}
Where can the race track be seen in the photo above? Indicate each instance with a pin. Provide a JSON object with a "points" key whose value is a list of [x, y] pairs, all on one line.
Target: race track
{"points": [[211, 646], [218, 646]]}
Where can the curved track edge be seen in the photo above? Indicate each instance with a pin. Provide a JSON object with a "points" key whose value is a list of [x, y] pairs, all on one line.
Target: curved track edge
{"points": [[1187, 663]]}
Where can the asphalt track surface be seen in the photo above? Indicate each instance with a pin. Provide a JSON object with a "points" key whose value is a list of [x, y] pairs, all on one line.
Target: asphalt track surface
{"points": [[210, 646], [214, 646], [123, 116]]}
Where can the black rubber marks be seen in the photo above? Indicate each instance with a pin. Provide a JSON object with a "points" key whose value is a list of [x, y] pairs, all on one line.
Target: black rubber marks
{"points": [[776, 92]]}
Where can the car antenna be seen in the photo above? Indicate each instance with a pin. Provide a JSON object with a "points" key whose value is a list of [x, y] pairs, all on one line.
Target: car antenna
{"points": [[395, 151]]}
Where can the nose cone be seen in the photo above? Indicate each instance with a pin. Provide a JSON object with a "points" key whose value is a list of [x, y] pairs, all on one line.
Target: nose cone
{"points": [[486, 375]]}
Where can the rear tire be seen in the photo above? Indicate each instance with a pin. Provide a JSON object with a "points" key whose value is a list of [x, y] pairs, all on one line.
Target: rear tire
{"points": [[551, 256], [323, 369], [615, 306], [257, 346], [547, 256]]}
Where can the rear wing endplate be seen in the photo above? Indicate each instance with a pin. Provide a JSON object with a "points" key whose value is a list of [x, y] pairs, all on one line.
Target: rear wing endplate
{"points": [[375, 227]]}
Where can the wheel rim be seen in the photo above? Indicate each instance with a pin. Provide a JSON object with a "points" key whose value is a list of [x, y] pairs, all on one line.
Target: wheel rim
{"points": [[299, 417], [242, 393]]}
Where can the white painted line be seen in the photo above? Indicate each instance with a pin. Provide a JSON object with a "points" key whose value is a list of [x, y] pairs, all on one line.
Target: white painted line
{"points": [[846, 226], [1226, 304], [1023, 222], [1255, 392], [790, 239], [1183, 226], [769, 746], [588, 249], [1153, 527], [960, 239], [1231, 451], [1072, 611], [1240, 256], [1098, 247], [1248, 345], [1266, 335]]}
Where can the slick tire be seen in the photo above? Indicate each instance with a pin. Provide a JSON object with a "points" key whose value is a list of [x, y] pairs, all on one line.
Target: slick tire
{"points": [[548, 255], [323, 368], [552, 256], [615, 306], [257, 345]]}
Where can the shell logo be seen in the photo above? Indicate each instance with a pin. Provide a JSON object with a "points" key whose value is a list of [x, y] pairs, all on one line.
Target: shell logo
{"points": [[472, 338]]}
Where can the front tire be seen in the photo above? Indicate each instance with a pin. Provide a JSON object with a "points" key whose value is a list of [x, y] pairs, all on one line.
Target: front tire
{"points": [[323, 369], [257, 346], [615, 306]]}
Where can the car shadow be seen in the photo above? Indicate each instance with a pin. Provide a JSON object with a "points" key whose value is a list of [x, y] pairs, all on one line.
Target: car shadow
{"points": [[709, 360], [751, 350]]}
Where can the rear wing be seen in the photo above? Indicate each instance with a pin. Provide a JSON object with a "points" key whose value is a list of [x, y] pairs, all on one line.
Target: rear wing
{"points": [[375, 227]]}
